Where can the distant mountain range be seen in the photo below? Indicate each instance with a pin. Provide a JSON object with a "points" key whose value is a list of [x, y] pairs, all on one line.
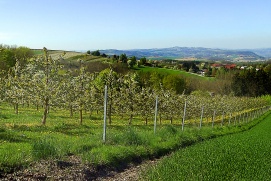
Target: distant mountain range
{"points": [[264, 52], [195, 52]]}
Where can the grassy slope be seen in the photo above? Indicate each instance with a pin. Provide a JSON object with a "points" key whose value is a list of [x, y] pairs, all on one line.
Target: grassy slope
{"points": [[70, 55], [171, 71], [242, 156]]}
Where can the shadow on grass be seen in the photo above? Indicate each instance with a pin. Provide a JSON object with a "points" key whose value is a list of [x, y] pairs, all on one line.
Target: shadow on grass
{"points": [[11, 137], [73, 129], [84, 148], [32, 128], [3, 116]]}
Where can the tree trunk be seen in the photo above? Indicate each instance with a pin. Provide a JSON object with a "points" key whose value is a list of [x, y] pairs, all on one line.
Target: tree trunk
{"points": [[81, 116], [37, 107], [171, 120], [46, 107], [146, 121]]}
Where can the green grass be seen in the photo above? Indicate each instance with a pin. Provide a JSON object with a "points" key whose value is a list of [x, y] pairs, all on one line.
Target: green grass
{"points": [[171, 71], [241, 156], [38, 52], [24, 140]]}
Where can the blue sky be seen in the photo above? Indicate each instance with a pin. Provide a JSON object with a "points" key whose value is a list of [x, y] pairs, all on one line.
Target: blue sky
{"points": [[130, 24]]}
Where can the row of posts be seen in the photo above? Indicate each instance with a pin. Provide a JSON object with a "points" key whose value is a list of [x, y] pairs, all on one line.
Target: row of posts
{"points": [[244, 117]]}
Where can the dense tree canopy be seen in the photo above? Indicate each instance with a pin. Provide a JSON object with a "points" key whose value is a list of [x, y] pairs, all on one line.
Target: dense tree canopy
{"points": [[132, 62], [9, 56], [96, 53], [251, 83]]}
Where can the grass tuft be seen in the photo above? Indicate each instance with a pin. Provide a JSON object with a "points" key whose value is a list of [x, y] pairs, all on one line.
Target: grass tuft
{"points": [[44, 148]]}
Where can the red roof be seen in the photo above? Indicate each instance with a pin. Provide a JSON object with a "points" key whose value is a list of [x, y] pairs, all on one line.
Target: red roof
{"points": [[230, 66]]}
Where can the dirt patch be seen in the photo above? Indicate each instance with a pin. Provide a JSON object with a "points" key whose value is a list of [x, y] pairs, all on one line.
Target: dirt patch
{"points": [[131, 173], [72, 168]]}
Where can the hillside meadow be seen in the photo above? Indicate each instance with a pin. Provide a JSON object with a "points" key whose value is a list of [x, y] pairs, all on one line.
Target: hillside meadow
{"points": [[174, 72]]}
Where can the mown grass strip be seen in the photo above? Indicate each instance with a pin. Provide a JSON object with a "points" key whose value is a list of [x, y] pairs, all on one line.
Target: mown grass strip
{"points": [[242, 156]]}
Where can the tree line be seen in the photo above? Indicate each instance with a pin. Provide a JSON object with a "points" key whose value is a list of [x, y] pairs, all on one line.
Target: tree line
{"points": [[10, 54]]}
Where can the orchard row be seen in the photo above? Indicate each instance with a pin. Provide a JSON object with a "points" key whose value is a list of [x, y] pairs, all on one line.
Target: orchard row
{"points": [[44, 83]]}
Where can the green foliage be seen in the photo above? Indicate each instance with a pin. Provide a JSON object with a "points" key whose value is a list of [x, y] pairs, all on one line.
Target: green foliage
{"points": [[156, 80], [96, 53], [143, 61], [9, 56], [251, 83], [175, 83], [123, 58], [106, 77], [23, 54], [132, 62]]}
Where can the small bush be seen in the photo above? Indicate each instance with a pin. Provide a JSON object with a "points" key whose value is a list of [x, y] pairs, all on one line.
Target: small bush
{"points": [[167, 131], [129, 137]]}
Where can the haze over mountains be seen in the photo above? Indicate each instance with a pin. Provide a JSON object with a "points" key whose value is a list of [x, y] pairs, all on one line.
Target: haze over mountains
{"points": [[195, 52]]}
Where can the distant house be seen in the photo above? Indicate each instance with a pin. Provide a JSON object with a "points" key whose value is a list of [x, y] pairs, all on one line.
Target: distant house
{"points": [[226, 66], [230, 66]]}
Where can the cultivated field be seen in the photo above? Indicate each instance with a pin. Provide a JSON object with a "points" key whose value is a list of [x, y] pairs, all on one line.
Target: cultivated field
{"points": [[241, 156]]}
